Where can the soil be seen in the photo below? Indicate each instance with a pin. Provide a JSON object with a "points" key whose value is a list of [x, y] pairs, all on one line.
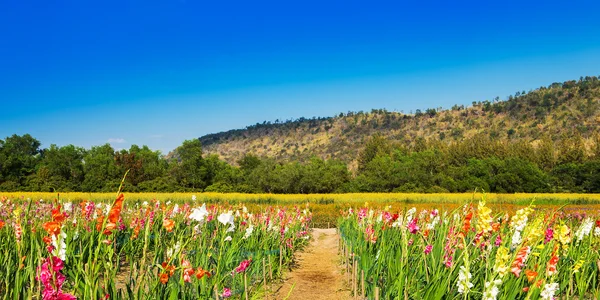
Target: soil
{"points": [[317, 274]]}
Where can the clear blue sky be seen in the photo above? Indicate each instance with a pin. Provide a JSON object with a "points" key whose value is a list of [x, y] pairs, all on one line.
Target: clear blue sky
{"points": [[141, 72]]}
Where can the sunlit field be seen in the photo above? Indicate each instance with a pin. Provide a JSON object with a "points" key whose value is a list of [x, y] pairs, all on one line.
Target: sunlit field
{"points": [[211, 245], [62, 248], [472, 252]]}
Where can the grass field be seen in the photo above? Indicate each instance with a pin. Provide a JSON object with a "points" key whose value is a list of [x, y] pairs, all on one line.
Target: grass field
{"points": [[326, 207], [374, 198]]}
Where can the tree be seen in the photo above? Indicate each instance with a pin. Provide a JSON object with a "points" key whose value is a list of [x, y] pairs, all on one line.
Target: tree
{"points": [[61, 169], [18, 158], [101, 171], [377, 145], [189, 170]]}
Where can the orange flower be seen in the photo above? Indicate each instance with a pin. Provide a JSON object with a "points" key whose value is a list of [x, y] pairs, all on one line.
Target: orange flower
{"points": [[57, 215], [136, 232], [495, 227], [164, 278], [169, 224], [99, 222], [531, 275], [519, 261], [467, 223], [53, 228], [115, 210], [47, 240], [551, 268], [201, 272], [2, 224]]}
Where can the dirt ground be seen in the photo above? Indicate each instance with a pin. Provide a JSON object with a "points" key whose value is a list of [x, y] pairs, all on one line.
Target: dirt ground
{"points": [[317, 274]]}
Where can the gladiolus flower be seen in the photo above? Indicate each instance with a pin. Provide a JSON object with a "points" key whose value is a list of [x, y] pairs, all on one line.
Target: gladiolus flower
{"points": [[519, 261], [201, 272], [531, 275], [428, 249], [551, 268], [187, 271], [413, 227], [168, 224], [243, 266], [53, 228], [164, 278], [2, 224], [115, 210], [226, 293]]}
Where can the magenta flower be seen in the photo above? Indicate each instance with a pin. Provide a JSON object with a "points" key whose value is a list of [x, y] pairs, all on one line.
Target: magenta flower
{"points": [[498, 241], [413, 227], [52, 280], [243, 266], [549, 235], [226, 293], [428, 249]]}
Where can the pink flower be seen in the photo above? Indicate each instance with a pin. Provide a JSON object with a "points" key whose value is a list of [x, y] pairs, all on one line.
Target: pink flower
{"points": [[413, 227], [52, 280], [549, 235], [428, 249], [243, 266], [226, 293], [498, 241]]}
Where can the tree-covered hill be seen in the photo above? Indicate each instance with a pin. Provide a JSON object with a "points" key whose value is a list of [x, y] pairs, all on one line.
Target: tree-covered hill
{"points": [[556, 111]]}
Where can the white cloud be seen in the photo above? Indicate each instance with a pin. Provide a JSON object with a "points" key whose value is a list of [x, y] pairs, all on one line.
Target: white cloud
{"points": [[116, 141]]}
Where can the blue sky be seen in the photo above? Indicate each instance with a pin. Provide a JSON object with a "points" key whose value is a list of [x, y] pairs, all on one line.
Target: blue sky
{"points": [[128, 72]]}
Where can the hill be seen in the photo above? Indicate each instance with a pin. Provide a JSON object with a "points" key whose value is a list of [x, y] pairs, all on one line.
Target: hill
{"points": [[558, 110]]}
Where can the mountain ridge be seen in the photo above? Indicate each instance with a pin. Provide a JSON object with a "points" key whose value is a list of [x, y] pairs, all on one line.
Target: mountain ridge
{"points": [[558, 110]]}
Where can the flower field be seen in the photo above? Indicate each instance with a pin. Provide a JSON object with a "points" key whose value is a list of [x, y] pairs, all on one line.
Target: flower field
{"points": [[472, 253], [130, 249]]}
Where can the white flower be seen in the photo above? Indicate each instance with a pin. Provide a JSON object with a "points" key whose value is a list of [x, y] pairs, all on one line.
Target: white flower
{"points": [[228, 238], [145, 203], [168, 202], [199, 214], [68, 206], [464, 285], [516, 239], [174, 250], [549, 290], [249, 231], [60, 247], [584, 229], [226, 218], [193, 197], [431, 225], [491, 290], [175, 209], [597, 232]]}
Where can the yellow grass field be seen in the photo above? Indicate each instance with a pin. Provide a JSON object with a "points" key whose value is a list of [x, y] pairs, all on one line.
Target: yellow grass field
{"points": [[355, 198]]}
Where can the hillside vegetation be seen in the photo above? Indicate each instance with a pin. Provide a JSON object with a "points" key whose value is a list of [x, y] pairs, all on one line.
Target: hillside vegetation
{"points": [[556, 111], [543, 141]]}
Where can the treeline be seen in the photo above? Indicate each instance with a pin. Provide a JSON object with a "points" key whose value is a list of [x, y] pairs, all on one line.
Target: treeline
{"points": [[571, 164]]}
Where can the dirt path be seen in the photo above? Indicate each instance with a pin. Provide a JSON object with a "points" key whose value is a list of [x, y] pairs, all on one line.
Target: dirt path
{"points": [[318, 275]]}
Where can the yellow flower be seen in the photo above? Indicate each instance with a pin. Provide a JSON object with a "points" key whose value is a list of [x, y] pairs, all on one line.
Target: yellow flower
{"points": [[578, 266], [501, 265], [484, 220]]}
